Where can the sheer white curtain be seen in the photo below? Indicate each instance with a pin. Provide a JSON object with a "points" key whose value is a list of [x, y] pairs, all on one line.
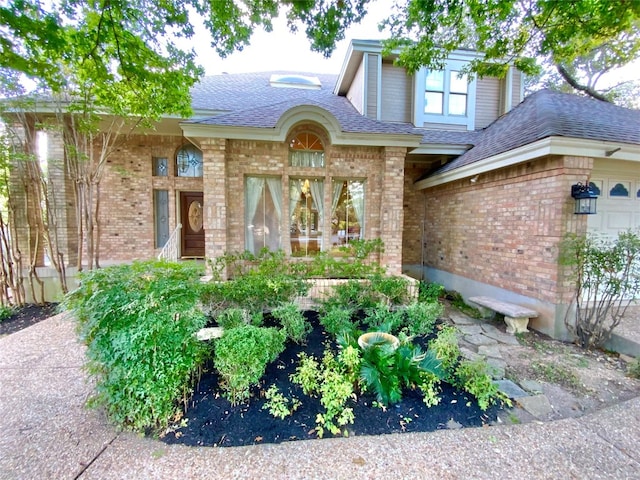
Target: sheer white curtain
{"points": [[295, 189], [253, 192], [356, 192], [317, 195], [306, 158], [275, 187], [335, 197]]}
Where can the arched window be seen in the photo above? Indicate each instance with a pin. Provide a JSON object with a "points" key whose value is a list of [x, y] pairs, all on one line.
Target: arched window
{"points": [[306, 150], [189, 161]]}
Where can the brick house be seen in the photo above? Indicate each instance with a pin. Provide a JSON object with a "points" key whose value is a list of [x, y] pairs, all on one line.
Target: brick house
{"points": [[465, 183]]}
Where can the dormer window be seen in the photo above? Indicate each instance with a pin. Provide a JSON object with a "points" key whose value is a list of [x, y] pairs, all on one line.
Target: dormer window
{"points": [[445, 97]]}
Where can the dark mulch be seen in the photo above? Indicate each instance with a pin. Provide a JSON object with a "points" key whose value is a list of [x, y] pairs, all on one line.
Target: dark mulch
{"points": [[27, 316], [212, 421]]}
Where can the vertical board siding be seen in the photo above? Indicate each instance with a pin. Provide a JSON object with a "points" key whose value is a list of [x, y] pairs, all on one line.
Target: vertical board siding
{"points": [[487, 101], [356, 90], [396, 94], [372, 85]]}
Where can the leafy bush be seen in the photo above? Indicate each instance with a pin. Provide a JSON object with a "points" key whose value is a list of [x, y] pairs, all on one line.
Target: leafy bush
{"points": [[607, 280], [332, 382], [241, 356], [386, 371], [337, 320], [473, 377], [383, 319], [422, 316], [253, 291], [278, 405], [295, 326], [430, 291], [6, 311], [232, 318], [446, 349], [355, 260], [390, 289], [139, 322]]}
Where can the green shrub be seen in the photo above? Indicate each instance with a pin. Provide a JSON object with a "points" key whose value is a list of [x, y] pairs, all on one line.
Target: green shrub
{"points": [[430, 291], [241, 356], [390, 289], [383, 319], [358, 259], [337, 320], [473, 377], [295, 326], [139, 322], [446, 349], [422, 316], [386, 371], [232, 318], [6, 311], [332, 382], [278, 405], [254, 291]]}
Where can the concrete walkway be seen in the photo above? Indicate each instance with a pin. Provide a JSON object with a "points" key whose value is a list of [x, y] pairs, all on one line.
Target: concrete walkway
{"points": [[47, 433]]}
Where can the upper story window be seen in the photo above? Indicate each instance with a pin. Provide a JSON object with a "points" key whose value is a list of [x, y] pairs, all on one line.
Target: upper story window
{"points": [[306, 150], [189, 161], [445, 97]]}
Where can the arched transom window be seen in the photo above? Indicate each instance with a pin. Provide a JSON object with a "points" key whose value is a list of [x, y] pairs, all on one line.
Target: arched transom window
{"points": [[306, 150]]}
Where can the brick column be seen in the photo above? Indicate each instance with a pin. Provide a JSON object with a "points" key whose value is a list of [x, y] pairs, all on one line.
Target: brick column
{"points": [[391, 209], [61, 198], [215, 196]]}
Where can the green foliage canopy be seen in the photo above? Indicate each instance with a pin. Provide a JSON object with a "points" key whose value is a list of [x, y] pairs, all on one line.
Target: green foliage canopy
{"points": [[515, 31]]}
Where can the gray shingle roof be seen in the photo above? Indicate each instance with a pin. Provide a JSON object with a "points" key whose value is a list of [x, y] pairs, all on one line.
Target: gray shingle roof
{"points": [[547, 113], [248, 100]]}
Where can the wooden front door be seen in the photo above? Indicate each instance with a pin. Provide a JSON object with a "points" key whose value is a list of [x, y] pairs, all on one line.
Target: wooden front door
{"points": [[192, 215]]}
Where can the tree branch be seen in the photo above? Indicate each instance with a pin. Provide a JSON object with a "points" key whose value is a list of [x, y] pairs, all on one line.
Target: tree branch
{"points": [[582, 88]]}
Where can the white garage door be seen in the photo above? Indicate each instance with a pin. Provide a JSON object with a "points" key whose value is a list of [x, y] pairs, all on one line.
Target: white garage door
{"points": [[618, 206]]}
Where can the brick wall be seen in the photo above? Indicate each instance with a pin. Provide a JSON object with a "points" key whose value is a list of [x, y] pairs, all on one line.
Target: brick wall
{"points": [[505, 229], [126, 216], [126, 211]]}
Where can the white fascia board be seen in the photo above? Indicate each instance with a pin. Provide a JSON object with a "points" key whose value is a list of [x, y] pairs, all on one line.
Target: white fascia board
{"points": [[277, 135], [440, 149], [541, 148]]}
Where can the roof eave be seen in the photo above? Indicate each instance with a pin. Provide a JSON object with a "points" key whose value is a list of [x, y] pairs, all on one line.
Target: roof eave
{"points": [[279, 135], [540, 148]]}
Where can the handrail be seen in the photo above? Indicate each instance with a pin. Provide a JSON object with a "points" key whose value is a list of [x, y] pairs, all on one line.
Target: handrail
{"points": [[170, 249]]}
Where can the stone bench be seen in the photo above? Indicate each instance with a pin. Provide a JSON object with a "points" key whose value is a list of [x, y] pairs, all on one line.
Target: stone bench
{"points": [[515, 316]]}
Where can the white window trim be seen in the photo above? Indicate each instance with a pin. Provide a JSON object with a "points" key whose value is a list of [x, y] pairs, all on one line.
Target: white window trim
{"points": [[421, 119]]}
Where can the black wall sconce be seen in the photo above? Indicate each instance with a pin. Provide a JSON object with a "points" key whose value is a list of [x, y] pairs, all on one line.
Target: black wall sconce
{"points": [[585, 199]]}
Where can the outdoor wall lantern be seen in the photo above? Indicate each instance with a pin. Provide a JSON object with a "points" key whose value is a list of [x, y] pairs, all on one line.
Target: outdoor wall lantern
{"points": [[585, 199]]}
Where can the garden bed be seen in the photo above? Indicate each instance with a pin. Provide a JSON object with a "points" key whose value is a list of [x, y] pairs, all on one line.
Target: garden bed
{"points": [[210, 419]]}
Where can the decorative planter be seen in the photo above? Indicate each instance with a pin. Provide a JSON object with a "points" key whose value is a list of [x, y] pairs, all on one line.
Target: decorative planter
{"points": [[378, 339]]}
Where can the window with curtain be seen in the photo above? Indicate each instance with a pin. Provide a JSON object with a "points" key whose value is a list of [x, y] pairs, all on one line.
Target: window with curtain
{"points": [[263, 212], [306, 150], [347, 211], [306, 210]]}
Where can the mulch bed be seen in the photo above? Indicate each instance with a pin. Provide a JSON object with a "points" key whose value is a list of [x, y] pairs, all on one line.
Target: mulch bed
{"points": [[212, 421], [27, 316]]}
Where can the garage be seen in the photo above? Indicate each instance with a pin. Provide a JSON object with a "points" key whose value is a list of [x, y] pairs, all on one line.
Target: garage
{"points": [[617, 184]]}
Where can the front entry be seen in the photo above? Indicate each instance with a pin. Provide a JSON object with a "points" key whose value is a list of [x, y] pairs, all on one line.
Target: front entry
{"points": [[192, 214]]}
